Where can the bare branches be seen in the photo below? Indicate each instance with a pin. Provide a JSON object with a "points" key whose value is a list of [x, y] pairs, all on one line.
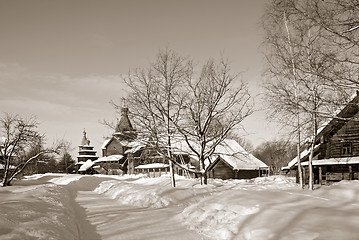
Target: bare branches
{"points": [[312, 60], [169, 99], [18, 136]]}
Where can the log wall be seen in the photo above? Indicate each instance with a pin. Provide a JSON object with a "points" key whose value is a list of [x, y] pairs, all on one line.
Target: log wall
{"points": [[347, 134]]}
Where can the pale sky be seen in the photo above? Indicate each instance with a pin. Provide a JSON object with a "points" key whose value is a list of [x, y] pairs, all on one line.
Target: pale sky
{"points": [[61, 61]]}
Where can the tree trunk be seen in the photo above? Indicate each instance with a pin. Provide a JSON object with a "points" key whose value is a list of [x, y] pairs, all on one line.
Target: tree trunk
{"points": [[203, 171], [5, 181], [310, 163], [300, 172], [294, 72], [169, 153], [205, 180], [172, 174], [66, 170], [310, 166]]}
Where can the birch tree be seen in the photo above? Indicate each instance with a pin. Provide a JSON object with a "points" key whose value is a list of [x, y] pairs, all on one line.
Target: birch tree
{"points": [[311, 52], [283, 88]]}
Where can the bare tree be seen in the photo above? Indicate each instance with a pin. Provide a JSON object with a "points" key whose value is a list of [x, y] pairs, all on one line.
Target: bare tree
{"points": [[276, 154], [66, 162], [156, 101], [217, 102], [18, 135], [170, 103]]}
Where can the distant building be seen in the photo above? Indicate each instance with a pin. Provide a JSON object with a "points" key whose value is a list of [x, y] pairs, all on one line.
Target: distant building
{"points": [[86, 151], [125, 152], [86, 154]]}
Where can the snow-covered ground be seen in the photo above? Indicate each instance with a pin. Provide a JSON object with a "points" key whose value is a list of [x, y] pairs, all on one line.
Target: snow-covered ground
{"points": [[56, 206]]}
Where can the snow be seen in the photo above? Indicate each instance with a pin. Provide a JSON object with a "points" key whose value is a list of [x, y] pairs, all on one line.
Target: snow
{"points": [[60, 206], [231, 152], [109, 158], [334, 161], [135, 146], [152, 165], [105, 143], [303, 154], [86, 165]]}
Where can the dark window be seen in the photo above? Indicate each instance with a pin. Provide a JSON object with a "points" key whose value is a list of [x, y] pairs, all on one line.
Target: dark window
{"points": [[346, 149]]}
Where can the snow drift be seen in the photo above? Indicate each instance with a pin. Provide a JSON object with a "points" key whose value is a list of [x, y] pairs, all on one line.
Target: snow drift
{"points": [[46, 207]]}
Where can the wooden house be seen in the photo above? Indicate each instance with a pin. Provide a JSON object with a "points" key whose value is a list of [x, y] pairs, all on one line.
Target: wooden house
{"points": [[231, 161], [336, 152]]}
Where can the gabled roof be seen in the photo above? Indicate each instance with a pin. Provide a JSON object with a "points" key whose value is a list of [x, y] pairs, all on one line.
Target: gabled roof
{"points": [[236, 157]]}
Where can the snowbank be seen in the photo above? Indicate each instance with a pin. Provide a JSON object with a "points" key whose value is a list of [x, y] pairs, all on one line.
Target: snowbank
{"points": [[263, 208], [152, 192], [40, 212], [274, 208]]}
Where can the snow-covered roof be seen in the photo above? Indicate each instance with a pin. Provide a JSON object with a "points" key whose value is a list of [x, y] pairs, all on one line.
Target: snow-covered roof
{"points": [[152, 165], [334, 161], [122, 142], [135, 148], [238, 158], [303, 154], [337, 112], [84, 167], [105, 143], [109, 158]]}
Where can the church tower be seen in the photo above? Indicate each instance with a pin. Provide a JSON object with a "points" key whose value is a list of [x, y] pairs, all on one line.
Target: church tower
{"points": [[124, 134], [86, 151], [124, 129]]}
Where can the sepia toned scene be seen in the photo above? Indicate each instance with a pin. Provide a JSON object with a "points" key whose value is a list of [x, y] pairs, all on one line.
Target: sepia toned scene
{"points": [[163, 119]]}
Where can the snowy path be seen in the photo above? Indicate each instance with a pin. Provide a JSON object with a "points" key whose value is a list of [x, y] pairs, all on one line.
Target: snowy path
{"points": [[116, 221]]}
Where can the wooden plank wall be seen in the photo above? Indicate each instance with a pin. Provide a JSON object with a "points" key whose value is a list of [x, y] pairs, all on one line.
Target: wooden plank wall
{"points": [[222, 171]]}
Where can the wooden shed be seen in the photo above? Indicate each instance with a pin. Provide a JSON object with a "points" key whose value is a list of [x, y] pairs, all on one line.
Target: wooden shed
{"points": [[231, 161]]}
